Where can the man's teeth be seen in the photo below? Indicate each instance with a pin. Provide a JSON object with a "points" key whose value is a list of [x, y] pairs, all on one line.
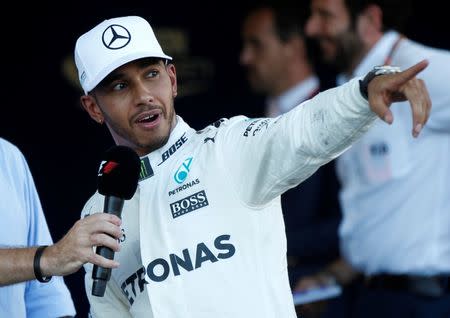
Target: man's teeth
{"points": [[147, 118]]}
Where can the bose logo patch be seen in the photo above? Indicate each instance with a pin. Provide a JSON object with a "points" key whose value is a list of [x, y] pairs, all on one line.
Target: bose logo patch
{"points": [[166, 155], [193, 202]]}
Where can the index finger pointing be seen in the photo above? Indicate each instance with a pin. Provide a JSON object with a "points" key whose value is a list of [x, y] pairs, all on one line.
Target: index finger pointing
{"points": [[412, 71]]}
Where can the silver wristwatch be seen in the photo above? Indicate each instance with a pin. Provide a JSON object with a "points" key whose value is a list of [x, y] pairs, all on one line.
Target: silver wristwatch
{"points": [[376, 71]]}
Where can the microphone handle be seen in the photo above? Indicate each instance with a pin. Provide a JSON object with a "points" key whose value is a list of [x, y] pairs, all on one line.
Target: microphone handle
{"points": [[100, 275]]}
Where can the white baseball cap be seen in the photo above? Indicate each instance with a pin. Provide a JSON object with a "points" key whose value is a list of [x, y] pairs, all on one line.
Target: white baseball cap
{"points": [[111, 44]]}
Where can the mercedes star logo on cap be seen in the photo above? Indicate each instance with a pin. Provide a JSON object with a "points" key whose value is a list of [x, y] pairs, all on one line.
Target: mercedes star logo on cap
{"points": [[116, 37]]}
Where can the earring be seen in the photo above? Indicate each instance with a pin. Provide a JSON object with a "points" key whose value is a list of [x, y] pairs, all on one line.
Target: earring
{"points": [[100, 121]]}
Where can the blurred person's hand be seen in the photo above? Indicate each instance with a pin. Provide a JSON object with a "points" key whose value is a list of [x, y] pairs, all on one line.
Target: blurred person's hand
{"points": [[321, 279], [313, 309], [338, 272]]}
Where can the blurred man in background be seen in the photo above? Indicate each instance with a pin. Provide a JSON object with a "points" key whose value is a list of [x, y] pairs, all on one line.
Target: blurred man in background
{"points": [[395, 190]]}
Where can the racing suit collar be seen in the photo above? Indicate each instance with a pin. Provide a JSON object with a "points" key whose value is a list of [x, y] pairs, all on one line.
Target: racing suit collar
{"points": [[179, 135]]}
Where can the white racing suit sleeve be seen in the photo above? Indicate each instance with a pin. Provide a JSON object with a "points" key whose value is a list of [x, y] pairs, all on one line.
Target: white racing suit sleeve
{"points": [[113, 304], [265, 157]]}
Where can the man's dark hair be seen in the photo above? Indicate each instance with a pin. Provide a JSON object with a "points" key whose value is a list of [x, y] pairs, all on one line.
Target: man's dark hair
{"points": [[395, 12], [289, 16], [289, 19]]}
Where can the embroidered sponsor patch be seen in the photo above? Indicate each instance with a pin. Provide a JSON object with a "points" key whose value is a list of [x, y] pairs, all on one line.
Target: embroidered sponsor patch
{"points": [[188, 204]]}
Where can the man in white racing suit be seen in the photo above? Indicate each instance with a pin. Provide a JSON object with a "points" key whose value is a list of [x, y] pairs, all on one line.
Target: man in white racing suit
{"points": [[203, 236]]}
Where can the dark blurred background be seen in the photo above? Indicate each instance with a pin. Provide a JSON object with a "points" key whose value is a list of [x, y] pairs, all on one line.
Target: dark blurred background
{"points": [[40, 98]]}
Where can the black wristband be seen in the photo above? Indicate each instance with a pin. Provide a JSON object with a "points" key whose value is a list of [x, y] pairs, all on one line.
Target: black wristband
{"points": [[37, 265]]}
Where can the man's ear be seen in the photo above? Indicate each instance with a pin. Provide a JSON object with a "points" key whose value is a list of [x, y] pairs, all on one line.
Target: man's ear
{"points": [[375, 16], [173, 78], [369, 25], [90, 106]]}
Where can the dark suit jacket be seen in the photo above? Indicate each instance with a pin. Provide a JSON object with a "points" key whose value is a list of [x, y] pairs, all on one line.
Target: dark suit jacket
{"points": [[312, 216]]}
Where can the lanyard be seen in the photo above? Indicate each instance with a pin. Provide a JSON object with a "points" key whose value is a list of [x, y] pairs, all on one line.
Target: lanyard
{"points": [[388, 59], [313, 93]]}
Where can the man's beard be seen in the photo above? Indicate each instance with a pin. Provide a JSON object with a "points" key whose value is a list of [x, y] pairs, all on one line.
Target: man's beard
{"points": [[349, 52]]}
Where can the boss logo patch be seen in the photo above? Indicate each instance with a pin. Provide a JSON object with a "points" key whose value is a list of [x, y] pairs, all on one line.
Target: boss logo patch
{"points": [[191, 203]]}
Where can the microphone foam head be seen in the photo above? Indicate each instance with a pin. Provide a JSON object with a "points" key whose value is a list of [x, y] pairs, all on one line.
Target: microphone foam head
{"points": [[118, 174]]}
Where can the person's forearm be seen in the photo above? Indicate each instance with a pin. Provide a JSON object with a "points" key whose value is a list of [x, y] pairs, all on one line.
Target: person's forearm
{"points": [[16, 265]]}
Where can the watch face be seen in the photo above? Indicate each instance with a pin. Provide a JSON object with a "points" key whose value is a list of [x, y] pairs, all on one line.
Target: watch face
{"points": [[386, 69]]}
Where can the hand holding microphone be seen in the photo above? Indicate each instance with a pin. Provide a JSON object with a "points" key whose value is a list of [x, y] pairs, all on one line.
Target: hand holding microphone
{"points": [[75, 248], [117, 180]]}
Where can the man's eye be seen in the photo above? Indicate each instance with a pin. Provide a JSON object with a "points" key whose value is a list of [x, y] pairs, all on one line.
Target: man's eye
{"points": [[152, 73], [118, 86]]}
